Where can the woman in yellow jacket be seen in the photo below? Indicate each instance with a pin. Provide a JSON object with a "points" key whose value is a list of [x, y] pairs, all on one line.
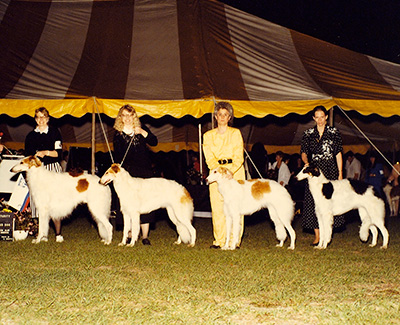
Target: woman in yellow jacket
{"points": [[223, 146]]}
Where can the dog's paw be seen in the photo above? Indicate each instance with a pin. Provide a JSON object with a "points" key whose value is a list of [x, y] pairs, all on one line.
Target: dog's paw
{"points": [[39, 239], [191, 245], [291, 248], [383, 247], [59, 239], [121, 244], [228, 248]]}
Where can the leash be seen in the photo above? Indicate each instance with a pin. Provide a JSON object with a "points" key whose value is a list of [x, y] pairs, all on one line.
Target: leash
{"points": [[104, 131], [252, 162], [127, 149]]}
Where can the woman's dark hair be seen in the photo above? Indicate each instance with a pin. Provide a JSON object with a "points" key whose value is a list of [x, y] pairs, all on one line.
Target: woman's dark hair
{"points": [[42, 110], [320, 108]]}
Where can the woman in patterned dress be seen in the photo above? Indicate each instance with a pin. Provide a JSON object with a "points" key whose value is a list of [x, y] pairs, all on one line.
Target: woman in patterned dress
{"points": [[321, 145]]}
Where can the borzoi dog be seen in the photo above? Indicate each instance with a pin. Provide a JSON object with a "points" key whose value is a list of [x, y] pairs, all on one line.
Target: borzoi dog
{"points": [[392, 196], [247, 197], [340, 196], [143, 195], [56, 195]]}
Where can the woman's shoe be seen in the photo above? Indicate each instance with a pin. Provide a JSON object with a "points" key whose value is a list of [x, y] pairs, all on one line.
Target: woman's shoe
{"points": [[146, 241]]}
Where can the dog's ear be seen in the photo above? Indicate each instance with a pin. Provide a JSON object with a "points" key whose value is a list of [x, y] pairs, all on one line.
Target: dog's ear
{"points": [[312, 170], [33, 161], [225, 172], [115, 168], [307, 170], [315, 171]]}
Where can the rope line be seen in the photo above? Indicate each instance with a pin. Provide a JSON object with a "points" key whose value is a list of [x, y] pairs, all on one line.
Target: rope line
{"points": [[104, 131], [365, 136]]}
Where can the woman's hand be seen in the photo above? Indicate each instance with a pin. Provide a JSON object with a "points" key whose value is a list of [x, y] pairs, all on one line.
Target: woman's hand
{"points": [[139, 130], [43, 153]]}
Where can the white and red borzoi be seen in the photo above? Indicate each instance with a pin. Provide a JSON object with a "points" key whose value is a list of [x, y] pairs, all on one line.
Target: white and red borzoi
{"points": [[340, 196], [247, 197], [143, 195], [56, 195]]}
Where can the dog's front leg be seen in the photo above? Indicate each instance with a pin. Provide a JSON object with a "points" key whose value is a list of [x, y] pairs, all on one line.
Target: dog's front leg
{"points": [[135, 228], [395, 204], [236, 226], [228, 222], [43, 232], [321, 231], [325, 229], [127, 227]]}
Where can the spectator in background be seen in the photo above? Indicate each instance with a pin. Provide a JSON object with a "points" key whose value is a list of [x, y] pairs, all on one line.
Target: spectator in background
{"points": [[259, 156], [282, 168], [394, 175], [352, 166], [374, 174]]}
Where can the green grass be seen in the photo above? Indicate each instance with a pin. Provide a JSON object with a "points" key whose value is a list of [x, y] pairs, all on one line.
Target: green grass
{"points": [[83, 281]]}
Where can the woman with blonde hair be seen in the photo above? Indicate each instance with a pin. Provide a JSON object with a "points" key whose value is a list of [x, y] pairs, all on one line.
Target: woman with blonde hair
{"points": [[131, 141]]}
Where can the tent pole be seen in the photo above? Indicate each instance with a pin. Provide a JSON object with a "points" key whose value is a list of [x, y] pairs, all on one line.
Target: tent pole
{"points": [[331, 116], [93, 141], [200, 155]]}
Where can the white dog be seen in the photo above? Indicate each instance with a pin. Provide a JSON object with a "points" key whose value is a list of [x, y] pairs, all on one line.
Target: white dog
{"points": [[340, 196], [247, 197], [392, 196], [143, 195], [56, 195]]}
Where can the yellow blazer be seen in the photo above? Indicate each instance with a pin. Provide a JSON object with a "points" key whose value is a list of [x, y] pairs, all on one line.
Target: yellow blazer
{"points": [[224, 146]]}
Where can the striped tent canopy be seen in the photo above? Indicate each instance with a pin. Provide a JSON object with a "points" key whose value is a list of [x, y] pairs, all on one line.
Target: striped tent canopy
{"points": [[175, 58]]}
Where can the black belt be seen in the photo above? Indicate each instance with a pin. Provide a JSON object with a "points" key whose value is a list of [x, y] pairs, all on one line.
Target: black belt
{"points": [[224, 161]]}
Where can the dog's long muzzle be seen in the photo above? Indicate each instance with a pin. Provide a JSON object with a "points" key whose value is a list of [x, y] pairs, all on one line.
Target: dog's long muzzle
{"points": [[104, 182]]}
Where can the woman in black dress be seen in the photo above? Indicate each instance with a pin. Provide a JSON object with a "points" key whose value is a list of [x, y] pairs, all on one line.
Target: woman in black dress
{"points": [[45, 142], [130, 141], [321, 145]]}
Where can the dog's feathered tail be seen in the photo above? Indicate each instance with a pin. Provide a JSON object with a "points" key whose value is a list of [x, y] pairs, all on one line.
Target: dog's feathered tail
{"points": [[280, 231], [105, 232], [181, 215], [184, 233], [364, 231]]}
